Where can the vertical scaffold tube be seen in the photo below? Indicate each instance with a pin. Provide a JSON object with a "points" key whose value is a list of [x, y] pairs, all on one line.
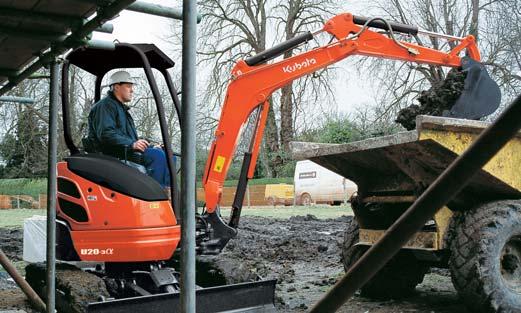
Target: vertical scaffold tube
{"points": [[188, 157], [51, 187]]}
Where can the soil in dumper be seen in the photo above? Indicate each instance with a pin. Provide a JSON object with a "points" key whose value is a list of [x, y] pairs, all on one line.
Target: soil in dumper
{"points": [[439, 98], [303, 254]]}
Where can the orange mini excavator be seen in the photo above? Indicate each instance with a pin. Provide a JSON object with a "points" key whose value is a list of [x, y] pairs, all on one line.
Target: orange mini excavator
{"points": [[111, 213], [122, 219]]}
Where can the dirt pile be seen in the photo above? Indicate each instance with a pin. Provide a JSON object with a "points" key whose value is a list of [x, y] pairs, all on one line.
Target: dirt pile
{"points": [[12, 243], [435, 101], [13, 300], [302, 253], [77, 288]]}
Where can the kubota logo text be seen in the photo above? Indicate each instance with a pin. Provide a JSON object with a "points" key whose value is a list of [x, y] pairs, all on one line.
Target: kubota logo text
{"points": [[299, 65]]}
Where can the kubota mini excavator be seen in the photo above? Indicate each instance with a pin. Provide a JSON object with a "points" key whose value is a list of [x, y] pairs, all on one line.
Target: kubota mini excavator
{"points": [[111, 213], [121, 219]]}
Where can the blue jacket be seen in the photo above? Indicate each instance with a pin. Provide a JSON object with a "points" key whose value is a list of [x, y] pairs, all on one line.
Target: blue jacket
{"points": [[111, 128]]}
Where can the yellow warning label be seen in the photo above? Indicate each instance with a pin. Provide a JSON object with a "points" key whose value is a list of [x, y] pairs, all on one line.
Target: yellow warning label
{"points": [[154, 205], [219, 164]]}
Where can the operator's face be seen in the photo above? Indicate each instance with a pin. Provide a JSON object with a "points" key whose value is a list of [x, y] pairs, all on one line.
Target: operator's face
{"points": [[124, 92]]}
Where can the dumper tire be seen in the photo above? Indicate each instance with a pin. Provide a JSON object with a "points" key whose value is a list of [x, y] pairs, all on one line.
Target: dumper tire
{"points": [[485, 261], [396, 280]]}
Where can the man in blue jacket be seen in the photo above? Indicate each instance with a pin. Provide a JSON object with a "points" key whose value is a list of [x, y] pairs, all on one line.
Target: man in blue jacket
{"points": [[112, 130]]}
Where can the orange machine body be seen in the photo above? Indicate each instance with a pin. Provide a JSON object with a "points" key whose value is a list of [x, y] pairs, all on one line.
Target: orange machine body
{"points": [[107, 226]]}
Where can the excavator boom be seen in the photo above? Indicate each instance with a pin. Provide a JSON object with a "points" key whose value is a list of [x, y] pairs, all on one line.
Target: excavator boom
{"points": [[253, 81]]}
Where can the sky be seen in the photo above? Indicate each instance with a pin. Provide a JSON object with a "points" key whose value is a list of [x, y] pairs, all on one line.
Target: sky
{"points": [[134, 27], [351, 90]]}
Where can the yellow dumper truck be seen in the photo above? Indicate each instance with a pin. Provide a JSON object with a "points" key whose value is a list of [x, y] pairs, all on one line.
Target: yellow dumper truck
{"points": [[477, 235]]}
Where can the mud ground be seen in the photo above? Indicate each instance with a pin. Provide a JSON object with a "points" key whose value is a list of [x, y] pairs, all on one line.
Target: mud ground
{"points": [[11, 243], [302, 253]]}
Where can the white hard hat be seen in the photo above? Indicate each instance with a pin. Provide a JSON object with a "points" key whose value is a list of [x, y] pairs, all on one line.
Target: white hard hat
{"points": [[120, 77]]}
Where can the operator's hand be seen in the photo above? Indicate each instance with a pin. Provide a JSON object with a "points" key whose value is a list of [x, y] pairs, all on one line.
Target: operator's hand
{"points": [[140, 145]]}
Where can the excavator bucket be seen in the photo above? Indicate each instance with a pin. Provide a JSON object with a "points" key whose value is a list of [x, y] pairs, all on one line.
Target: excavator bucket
{"points": [[255, 297], [481, 95]]}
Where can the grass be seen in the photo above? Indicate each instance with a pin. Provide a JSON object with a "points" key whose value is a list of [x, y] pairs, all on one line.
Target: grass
{"points": [[15, 217], [320, 211], [262, 181]]}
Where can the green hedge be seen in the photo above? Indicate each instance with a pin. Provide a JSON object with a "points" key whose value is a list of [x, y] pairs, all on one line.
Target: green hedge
{"points": [[262, 181], [258, 181], [34, 187], [23, 186]]}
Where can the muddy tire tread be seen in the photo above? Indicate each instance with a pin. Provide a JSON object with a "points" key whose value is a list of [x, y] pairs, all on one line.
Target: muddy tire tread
{"points": [[476, 237]]}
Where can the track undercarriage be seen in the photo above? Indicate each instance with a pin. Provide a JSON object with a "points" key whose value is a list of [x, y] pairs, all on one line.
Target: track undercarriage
{"points": [[154, 287]]}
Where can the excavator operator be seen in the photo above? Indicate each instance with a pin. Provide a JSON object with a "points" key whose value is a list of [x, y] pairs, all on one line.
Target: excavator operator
{"points": [[112, 131]]}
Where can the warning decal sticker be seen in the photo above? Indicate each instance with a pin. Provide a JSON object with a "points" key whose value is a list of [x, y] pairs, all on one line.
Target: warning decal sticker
{"points": [[219, 164]]}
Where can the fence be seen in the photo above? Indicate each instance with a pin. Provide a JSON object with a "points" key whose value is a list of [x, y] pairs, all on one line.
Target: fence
{"points": [[5, 202], [255, 196], [22, 202]]}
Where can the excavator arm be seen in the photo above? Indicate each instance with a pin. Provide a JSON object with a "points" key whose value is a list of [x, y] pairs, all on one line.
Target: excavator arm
{"points": [[253, 81]]}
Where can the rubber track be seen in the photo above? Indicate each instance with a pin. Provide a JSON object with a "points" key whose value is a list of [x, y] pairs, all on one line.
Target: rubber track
{"points": [[476, 245]]}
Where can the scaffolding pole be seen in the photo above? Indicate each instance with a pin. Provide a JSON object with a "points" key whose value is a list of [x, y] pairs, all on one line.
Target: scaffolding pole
{"points": [[51, 187], [188, 157], [17, 99], [159, 10]]}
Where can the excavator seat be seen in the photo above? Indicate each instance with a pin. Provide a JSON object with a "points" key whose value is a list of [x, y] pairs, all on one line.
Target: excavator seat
{"points": [[109, 172]]}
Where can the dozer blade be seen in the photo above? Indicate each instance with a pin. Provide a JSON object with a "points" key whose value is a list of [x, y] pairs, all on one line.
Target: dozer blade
{"points": [[256, 297], [481, 95]]}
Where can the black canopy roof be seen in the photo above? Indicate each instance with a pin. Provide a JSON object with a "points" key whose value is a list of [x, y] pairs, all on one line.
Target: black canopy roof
{"points": [[98, 62], [34, 32], [29, 27]]}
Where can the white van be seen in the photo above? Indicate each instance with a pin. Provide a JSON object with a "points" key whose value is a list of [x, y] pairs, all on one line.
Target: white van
{"points": [[316, 184]]}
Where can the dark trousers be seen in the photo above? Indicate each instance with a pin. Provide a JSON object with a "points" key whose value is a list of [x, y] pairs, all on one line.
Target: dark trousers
{"points": [[155, 164]]}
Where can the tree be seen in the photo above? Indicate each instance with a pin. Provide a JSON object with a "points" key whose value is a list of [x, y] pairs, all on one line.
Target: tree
{"points": [[81, 100], [144, 111], [501, 31], [23, 147], [344, 128], [339, 131], [24, 151], [296, 17], [235, 29]]}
